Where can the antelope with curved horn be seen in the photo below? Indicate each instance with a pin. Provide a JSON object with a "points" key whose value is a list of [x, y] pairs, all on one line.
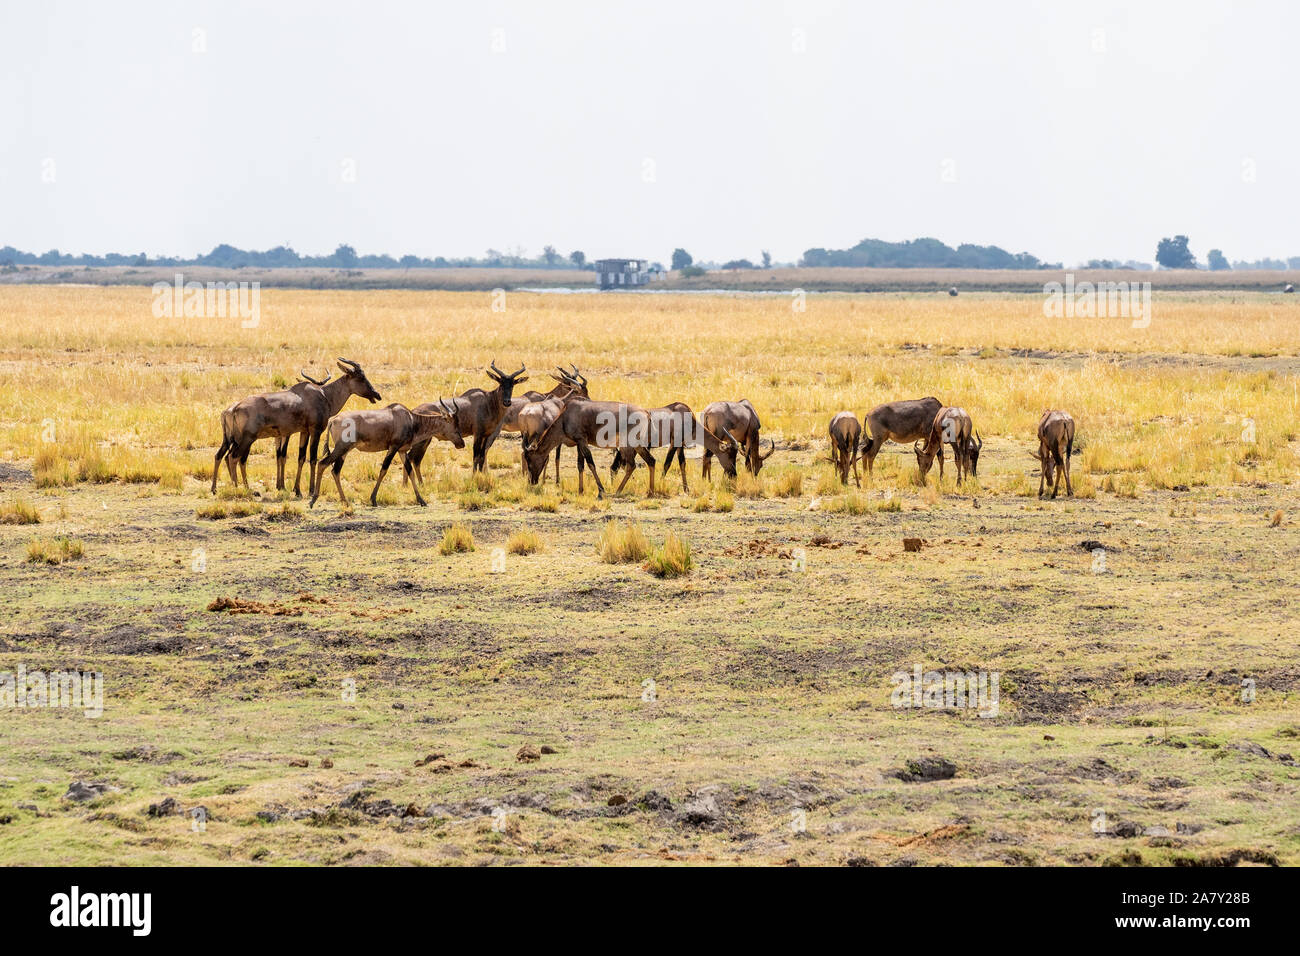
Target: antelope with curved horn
{"points": [[740, 421], [846, 433], [393, 430], [303, 409], [952, 426], [478, 413], [566, 382], [903, 421], [1055, 446], [621, 426]]}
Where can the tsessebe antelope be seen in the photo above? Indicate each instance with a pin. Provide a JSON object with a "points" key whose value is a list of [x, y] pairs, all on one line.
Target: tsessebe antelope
{"points": [[1055, 446]]}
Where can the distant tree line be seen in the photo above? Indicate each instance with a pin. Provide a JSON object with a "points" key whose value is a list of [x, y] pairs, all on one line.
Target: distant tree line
{"points": [[922, 254], [226, 256]]}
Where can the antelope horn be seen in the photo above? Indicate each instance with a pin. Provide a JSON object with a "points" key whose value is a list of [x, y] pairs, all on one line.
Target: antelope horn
{"points": [[578, 375], [495, 372], [355, 366], [522, 369], [769, 451], [308, 378]]}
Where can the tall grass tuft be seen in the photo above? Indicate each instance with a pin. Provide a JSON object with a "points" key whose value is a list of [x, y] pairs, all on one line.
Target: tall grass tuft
{"points": [[672, 559], [456, 539], [19, 511], [622, 542], [54, 550]]}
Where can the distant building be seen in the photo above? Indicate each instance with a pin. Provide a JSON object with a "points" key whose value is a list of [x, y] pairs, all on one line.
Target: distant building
{"points": [[624, 273]]}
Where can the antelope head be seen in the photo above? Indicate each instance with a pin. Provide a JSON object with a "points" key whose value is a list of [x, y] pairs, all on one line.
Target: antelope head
{"points": [[755, 461], [973, 447], [1046, 463], [357, 382], [441, 424], [506, 383], [925, 452]]}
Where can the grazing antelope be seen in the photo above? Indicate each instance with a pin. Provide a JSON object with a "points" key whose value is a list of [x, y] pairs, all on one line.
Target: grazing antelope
{"points": [[534, 419], [952, 426], [1055, 446], [303, 409], [478, 413], [669, 425], [393, 430], [903, 421], [739, 421], [616, 425], [846, 433]]}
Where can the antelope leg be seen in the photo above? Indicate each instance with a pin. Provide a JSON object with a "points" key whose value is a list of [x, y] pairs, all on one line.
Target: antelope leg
{"points": [[388, 460]]}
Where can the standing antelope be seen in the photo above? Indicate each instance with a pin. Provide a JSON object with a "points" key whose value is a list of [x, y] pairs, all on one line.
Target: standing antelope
{"points": [[303, 409], [903, 421], [739, 421], [393, 430], [669, 425], [845, 433], [952, 426], [1055, 446], [478, 413], [617, 425]]}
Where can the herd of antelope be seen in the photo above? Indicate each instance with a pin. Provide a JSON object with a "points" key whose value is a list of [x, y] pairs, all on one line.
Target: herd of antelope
{"points": [[567, 416]]}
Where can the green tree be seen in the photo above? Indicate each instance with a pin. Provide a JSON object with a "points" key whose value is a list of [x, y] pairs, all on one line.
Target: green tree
{"points": [[1217, 260], [681, 259], [767, 259], [549, 255], [1174, 254], [578, 258]]}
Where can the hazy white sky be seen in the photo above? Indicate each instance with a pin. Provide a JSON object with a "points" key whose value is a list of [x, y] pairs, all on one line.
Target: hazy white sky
{"points": [[1066, 130]]}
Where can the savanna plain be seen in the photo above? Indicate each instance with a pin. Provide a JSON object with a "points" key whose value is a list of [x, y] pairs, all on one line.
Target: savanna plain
{"points": [[530, 675]]}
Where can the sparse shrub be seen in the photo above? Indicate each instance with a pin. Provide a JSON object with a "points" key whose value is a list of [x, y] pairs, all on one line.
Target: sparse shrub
{"points": [[457, 538], [234, 509], [19, 511], [854, 503], [672, 559], [286, 512], [621, 542], [748, 486], [788, 484], [474, 501], [54, 550], [524, 541]]}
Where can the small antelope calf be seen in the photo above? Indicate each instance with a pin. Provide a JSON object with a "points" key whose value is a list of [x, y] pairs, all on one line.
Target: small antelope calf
{"points": [[1055, 446], [846, 435], [393, 430]]}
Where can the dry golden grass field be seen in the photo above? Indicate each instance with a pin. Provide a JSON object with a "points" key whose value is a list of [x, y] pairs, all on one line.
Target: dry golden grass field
{"points": [[478, 681]]}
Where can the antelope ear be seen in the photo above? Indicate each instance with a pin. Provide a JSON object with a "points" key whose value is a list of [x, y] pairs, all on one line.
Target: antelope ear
{"points": [[520, 381], [345, 369]]}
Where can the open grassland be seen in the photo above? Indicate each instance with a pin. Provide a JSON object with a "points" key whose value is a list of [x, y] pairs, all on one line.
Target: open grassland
{"points": [[696, 681]]}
